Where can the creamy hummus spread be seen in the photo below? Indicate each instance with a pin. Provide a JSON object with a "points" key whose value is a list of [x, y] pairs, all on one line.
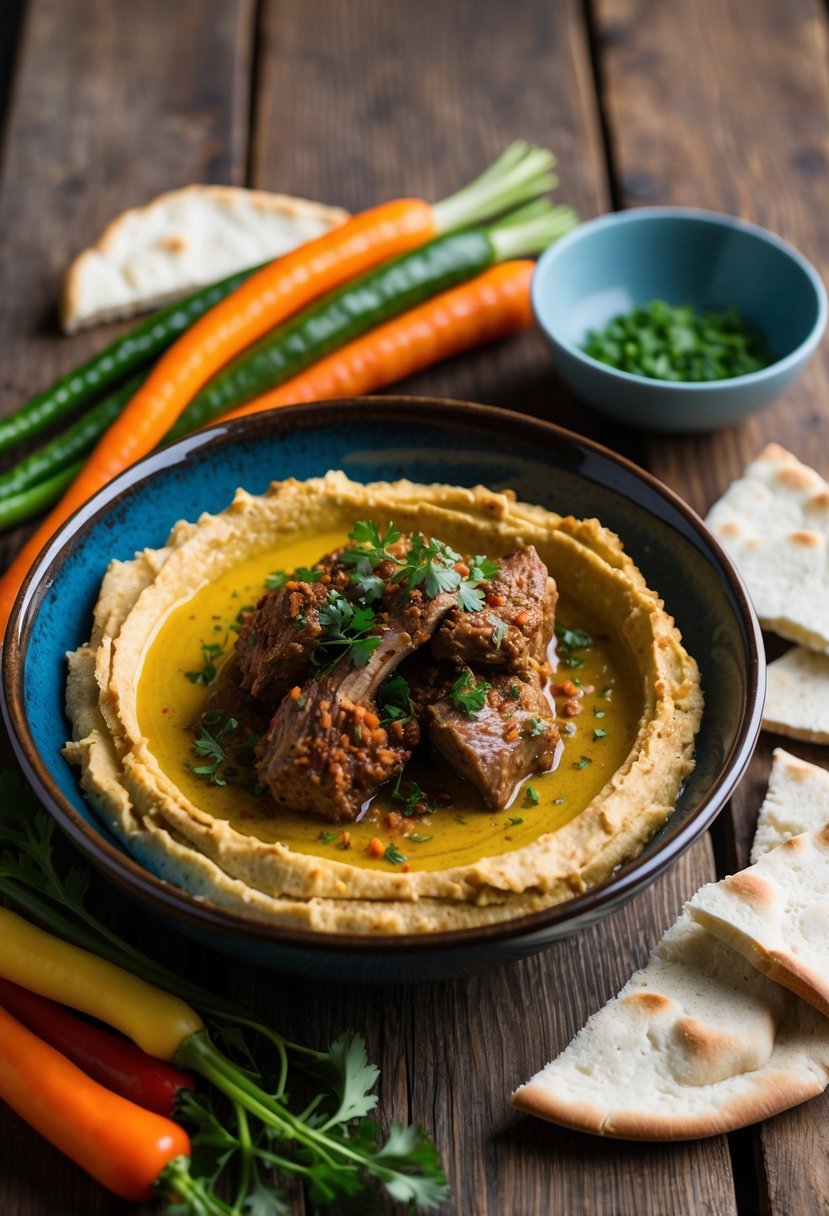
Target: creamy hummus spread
{"points": [[215, 800]]}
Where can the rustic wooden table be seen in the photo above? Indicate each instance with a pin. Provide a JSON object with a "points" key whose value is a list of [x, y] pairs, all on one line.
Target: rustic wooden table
{"points": [[709, 103]]}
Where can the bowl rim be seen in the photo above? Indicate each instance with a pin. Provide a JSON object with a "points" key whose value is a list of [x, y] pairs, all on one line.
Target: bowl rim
{"points": [[168, 900], [715, 219]]}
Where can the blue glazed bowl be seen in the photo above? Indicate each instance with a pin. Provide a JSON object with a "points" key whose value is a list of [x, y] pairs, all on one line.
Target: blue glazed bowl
{"points": [[613, 264], [390, 437]]}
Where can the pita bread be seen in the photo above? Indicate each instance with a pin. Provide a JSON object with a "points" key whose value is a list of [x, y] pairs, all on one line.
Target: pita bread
{"points": [[697, 1043], [776, 914], [774, 522], [797, 800], [181, 241], [797, 700]]}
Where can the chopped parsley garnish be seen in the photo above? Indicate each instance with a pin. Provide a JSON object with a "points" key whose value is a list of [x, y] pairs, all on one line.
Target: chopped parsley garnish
{"points": [[532, 794], [346, 630], [419, 839], [536, 726], [467, 695], [240, 617], [514, 691], [328, 837], [606, 694], [570, 643], [499, 630], [211, 745], [470, 597], [413, 799], [430, 564], [394, 701], [582, 762], [373, 545], [302, 574], [599, 713], [394, 855], [513, 822], [599, 734], [207, 674]]}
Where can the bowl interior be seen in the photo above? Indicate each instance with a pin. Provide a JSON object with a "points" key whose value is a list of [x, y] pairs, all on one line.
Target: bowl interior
{"points": [[609, 266], [388, 439]]}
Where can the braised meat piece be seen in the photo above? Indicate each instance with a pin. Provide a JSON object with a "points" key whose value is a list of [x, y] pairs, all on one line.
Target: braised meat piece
{"points": [[515, 626], [325, 751], [512, 735], [276, 640]]}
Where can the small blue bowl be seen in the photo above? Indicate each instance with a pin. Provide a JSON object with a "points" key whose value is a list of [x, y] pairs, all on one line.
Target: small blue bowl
{"points": [[375, 439], [613, 264]]}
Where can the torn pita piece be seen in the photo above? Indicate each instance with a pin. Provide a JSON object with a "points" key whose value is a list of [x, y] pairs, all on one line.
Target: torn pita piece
{"points": [[699, 1041], [776, 914], [797, 698], [181, 241], [774, 523]]}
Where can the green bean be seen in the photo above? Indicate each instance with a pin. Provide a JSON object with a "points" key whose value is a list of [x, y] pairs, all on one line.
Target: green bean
{"points": [[134, 350], [17, 508], [76, 441]]}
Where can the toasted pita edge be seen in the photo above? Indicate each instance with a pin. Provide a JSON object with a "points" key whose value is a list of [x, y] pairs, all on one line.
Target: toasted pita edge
{"points": [[70, 306]]}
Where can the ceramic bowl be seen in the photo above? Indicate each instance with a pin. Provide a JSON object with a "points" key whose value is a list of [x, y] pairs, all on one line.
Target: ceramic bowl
{"points": [[425, 440], [610, 265]]}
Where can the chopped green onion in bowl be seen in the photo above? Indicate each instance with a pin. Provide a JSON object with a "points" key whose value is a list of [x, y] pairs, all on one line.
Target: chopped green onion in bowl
{"points": [[675, 342]]}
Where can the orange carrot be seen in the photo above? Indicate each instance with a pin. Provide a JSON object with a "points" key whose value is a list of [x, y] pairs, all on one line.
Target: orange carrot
{"points": [[494, 304], [121, 1145]]}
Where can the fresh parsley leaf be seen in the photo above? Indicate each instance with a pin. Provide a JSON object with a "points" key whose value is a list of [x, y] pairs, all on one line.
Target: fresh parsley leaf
{"points": [[211, 744], [394, 855], [582, 762], [368, 586], [417, 839], [328, 837], [470, 599], [394, 701], [211, 651], [571, 642], [346, 630], [413, 799], [431, 563], [499, 630], [406, 1150], [599, 734], [373, 544], [467, 695], [302, 574], [514, 691], [532, 794], [513, 822]]}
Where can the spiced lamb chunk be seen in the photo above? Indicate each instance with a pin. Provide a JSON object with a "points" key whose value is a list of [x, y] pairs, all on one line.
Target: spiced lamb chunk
{"points": [[510, 737], [326, 755], [276, 640], [514, 627], [325, 751]]}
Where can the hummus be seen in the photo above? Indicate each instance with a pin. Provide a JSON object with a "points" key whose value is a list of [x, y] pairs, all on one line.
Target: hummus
{"points": [[164, 628]]}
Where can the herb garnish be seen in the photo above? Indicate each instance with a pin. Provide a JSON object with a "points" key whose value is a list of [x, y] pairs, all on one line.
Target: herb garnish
{"points": [[210, 743], [394, 701], [419, 839], [394, 855], [416, 797], [499, 630], [346, 630], [514, 691], [302, 574], [536, 726], [532, 794], [513, 822], [207, 674], [467, 695], [570, 642], [582, 762], [599, 734]]}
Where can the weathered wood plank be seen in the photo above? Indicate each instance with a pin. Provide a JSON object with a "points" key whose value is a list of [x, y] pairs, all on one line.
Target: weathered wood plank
{"points": [[416, 99], [726, 106], [112, 103]]}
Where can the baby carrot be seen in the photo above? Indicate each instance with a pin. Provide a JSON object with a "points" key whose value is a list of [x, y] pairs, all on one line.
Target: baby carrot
{"points": [[121, 1145], [490, 306]]}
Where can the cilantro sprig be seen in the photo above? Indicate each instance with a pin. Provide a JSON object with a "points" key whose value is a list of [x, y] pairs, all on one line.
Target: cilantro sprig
{"points": [[571, 643], [211, 743]]}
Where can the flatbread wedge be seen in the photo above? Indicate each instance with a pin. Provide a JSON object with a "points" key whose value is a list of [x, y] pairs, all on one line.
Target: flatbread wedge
{"points": [[797, 800], [776, 914], [797, 700], [697, 1043], [774, 522], [180, 241]]}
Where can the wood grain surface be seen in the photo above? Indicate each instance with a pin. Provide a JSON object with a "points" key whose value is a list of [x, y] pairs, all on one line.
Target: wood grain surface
{"points": [[722, 104]]}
